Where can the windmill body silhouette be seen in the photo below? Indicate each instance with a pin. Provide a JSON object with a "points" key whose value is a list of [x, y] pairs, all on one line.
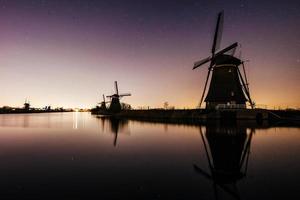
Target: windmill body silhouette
{"points": [[115, 105], [227, 85]]}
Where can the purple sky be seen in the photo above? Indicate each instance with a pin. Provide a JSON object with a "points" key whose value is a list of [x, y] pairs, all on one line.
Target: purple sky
{"points": [[68, 53]]}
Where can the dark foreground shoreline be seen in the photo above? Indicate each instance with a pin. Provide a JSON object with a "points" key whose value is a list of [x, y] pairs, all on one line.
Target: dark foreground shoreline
{"points": [[202, 116], [21, 111]]}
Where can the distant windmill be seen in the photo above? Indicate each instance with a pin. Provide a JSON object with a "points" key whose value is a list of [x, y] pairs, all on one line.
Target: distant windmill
{"points": [[103, 103], [227, 86], [27, 105], [115, 105]]}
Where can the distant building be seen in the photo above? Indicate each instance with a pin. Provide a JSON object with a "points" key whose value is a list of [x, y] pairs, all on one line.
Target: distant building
{"points": [[26, 105]]}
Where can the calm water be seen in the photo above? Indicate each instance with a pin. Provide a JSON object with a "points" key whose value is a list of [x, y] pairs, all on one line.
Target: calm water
{"points": [[78, 155]]}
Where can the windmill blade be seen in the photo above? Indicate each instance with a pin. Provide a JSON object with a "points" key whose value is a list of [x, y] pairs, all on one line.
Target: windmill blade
{"points": [[245, 88], [231, 51], [201, 171], [116, 139], [209, 70], [116, 87], [218, 33], [240, 52], [104, 102], [125, 94], [246, 151], [110, 96], [103, 98], [201, 62], [234, 45], [224, 187], [245, 75]]}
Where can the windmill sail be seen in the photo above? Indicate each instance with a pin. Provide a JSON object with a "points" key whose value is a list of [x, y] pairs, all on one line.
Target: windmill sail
{"points": [[218, 33]]}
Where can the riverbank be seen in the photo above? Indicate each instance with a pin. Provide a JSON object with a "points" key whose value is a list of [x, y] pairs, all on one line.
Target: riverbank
{"points": [[193, 116], [23, 111]]}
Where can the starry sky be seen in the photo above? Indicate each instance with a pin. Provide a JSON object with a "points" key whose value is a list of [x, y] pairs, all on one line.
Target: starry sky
{"points": [[69, 52]]}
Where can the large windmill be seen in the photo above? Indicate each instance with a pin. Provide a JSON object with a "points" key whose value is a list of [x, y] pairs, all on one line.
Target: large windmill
{"points": [[227, 85], [115, 105]]}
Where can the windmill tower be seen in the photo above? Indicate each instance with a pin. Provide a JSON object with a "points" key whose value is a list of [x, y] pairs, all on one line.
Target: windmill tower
{"points": [[227, 86], [115, 105]]}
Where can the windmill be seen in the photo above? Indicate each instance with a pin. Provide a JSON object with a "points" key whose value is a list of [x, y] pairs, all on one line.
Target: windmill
{"points": [[227, 85], [115, 105], [27, 105], [103, 103]]}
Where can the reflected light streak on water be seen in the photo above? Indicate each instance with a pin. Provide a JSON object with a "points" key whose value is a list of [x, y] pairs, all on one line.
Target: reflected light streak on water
{"points": [[75, 120]]}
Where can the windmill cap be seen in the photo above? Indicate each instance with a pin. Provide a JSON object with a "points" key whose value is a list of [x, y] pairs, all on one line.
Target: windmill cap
{"points": [[226, 59]]}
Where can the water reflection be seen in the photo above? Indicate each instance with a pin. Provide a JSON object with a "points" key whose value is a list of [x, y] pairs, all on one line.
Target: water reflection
{"points": [[116, 125], [227, 150], [75, 120], [43, 155], [38, 120]]}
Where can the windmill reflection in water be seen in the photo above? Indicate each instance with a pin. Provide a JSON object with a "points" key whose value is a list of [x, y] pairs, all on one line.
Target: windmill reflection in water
{"points": [[115, 125], [227, 150]]}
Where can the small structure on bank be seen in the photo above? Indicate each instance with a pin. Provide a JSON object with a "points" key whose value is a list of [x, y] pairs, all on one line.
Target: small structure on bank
{"points": [[228, 88], [27, 105]]}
